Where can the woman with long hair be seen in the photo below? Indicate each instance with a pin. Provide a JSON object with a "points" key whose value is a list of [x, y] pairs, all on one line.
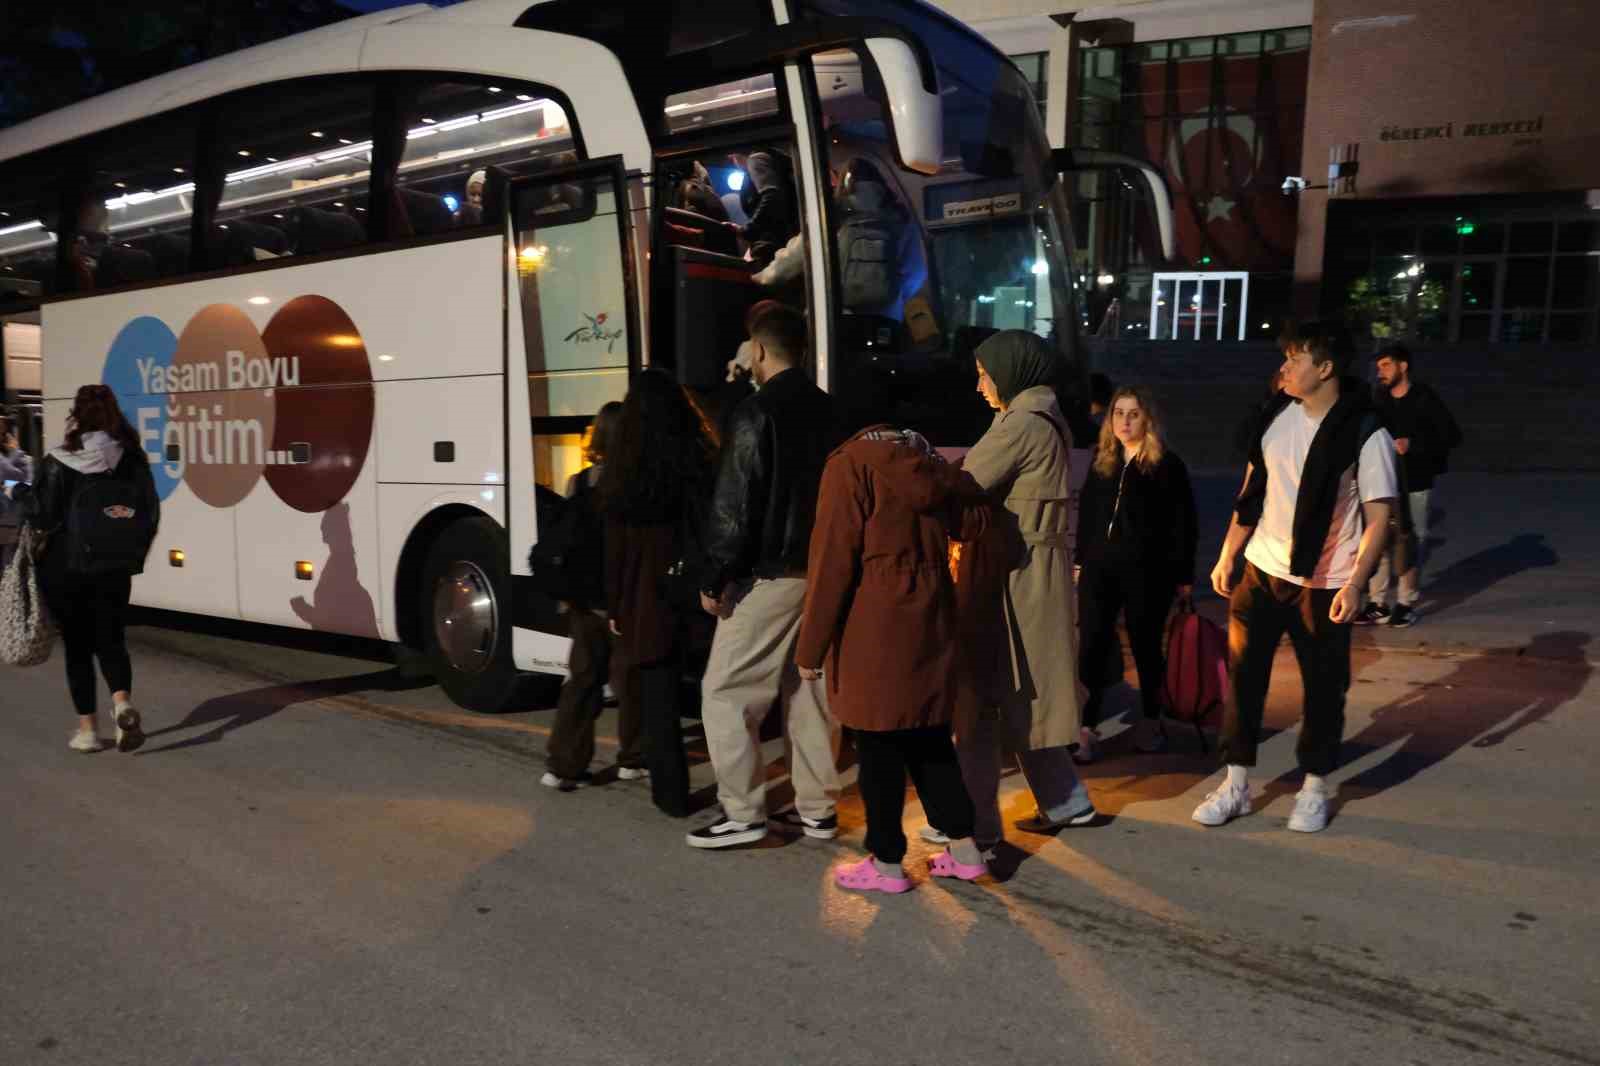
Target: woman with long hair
{"points": [[86, 572], [654, 491], [590, 662], [1137, 535], [1024, 463]]}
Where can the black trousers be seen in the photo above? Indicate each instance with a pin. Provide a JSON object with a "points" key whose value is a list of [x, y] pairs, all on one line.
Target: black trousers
{"points": [[1261, 610], [929, 756], [91, 612], [571, 747], [658, 686], [1104, 592]]}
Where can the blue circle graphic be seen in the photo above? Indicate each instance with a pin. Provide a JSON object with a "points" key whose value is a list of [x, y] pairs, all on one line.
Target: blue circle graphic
{"points": [[136, 370]]}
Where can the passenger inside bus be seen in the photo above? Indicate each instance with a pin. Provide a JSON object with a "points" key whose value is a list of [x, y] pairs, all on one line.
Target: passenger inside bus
{"points": [[768, 198], [470, 213]]}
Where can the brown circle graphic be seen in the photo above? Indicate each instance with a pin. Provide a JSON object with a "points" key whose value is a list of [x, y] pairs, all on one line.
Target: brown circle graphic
{"points": [[324, 428], [220, 408]]}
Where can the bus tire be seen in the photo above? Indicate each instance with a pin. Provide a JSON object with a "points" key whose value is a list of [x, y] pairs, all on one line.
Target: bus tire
{"points": [[465, 605]]}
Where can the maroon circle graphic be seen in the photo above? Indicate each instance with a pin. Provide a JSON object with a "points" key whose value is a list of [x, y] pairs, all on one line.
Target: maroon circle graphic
{"points": [[323, 429]]}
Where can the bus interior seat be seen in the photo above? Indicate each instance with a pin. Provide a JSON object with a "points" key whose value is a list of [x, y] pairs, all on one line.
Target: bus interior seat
{"points": [[240, 242], [687, 229], [171, 253], [120, 265], [425, 213], [711, 295], [327, 231]]}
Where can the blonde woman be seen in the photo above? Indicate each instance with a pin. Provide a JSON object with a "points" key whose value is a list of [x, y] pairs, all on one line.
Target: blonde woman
{"points": [[1136, 545]]}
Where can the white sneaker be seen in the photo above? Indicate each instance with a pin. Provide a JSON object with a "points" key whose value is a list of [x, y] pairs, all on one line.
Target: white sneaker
{"points": [[1223, 805], [632, 773], [85, 742], [130, 732], [1310, 812], [932, 835]]}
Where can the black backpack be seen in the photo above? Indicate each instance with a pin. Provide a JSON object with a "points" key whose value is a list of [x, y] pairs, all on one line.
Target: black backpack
{"points": [[870, 278], [109, 522], [568, 563]]}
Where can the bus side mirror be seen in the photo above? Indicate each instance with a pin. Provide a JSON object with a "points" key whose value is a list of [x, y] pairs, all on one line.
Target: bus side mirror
{"points": [[1071, 160], [916, 121]]}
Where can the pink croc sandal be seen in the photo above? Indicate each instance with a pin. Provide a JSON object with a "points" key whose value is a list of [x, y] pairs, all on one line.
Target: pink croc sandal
{"points": [[864, 877], [944, 864]]}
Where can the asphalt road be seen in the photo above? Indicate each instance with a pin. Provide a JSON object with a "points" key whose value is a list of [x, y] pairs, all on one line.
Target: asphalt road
{"points": [[312, 863]]}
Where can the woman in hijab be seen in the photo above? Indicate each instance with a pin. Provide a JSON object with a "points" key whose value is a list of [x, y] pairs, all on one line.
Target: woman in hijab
{"points": [[1034, 705]]}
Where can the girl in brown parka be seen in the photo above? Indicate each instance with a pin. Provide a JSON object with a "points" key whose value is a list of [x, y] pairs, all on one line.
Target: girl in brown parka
{"points": [[880, 613]]}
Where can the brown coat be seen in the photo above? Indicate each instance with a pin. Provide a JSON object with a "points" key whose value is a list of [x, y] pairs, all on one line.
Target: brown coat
{"points": [[880, 603], [636, 558]]}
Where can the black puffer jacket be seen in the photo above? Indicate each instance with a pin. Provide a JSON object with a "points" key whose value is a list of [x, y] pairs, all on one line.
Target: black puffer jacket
{"points": [[1152, 526], [766, 495]]}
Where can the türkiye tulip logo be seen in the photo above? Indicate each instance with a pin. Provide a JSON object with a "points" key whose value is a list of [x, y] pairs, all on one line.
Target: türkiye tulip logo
{"points": [[221, 406]]}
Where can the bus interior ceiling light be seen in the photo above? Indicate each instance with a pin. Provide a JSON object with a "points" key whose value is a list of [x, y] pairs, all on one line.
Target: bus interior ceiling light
{"points": [[1040, 267]]}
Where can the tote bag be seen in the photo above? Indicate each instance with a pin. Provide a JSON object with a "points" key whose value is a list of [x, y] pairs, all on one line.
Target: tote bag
{"points": [[26, 633]]}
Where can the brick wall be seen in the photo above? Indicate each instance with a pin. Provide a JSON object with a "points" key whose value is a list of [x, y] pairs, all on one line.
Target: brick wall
{"points": [[1520, 408]]}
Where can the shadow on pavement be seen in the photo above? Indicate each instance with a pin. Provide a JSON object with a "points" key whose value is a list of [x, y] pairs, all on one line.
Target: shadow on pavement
{"points": [[1465, 578], [1470, 705], [228, 713]]}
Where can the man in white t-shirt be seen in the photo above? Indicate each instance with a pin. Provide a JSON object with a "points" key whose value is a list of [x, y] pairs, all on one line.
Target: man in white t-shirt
{"points": [[1314, 512]]}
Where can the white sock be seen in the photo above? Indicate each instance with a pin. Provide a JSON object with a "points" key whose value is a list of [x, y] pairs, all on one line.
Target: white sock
{"points": [[1238, 776], [888, 869], [1315, 783]]}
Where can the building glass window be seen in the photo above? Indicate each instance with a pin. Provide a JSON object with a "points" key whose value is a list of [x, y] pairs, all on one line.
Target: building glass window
{"points": [[1507, 270], [1222, 118], [1035, 67]]}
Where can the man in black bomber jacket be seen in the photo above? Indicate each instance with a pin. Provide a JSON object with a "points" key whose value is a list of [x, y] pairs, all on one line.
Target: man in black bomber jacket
{"points": [[757, 540]]}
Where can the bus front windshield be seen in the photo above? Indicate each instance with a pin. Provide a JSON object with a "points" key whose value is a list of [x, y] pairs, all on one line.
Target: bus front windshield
{"points": [[927, 267]]}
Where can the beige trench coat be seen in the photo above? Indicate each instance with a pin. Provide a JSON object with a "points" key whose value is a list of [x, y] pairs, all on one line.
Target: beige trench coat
{"points": [[1024, 461]]}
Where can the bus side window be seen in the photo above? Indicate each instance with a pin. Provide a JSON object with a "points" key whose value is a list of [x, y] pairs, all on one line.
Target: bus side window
{"points": [[30, 206], [454, 131], [296, 163], [123, 204]]}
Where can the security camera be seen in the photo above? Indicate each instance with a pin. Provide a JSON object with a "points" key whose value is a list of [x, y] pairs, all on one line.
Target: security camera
{"points": [[1293, 185]]}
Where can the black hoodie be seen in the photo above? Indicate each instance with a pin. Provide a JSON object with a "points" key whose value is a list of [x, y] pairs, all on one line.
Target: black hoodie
{"points": [[1335, 449]]}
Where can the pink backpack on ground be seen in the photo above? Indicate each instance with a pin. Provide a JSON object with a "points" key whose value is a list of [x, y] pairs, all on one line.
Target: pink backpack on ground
{"points": [[1197, 669]]}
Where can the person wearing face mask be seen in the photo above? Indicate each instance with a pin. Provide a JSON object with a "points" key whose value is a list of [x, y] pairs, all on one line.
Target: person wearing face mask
{"points": [[1137, 536]]}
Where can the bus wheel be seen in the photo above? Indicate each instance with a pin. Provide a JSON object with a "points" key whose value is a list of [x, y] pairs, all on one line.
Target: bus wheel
{"points": [[466, 621]]}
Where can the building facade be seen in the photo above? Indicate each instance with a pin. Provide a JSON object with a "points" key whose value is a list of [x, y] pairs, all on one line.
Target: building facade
{"points": [[1472, 217]]}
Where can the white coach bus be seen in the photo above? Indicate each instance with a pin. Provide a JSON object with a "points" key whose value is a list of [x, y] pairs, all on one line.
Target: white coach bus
{"points": [[361, 290]]}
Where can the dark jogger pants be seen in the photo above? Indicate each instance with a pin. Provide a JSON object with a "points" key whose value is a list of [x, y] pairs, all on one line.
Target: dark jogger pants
{"points": [[659, 686], [929, 756], [91, 612], [1103, 593], [571, 747], [1261, 610]]}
